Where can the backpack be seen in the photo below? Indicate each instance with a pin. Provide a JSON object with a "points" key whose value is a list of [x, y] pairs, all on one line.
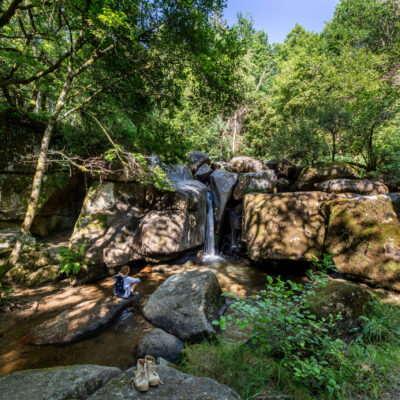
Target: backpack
{"points": [[119, 290]]}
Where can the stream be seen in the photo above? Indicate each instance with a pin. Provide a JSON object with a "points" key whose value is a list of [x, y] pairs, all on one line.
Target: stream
{"points": [[115, 345]]}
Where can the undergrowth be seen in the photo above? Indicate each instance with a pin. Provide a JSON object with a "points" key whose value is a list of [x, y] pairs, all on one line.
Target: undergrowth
{"points": [[292, 352]]}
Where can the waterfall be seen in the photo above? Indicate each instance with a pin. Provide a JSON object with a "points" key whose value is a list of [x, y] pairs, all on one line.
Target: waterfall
{"points": [[210, 253]]}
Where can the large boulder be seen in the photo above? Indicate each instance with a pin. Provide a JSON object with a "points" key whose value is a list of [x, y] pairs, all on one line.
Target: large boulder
{"points": [[395, 198], [186, 304], [284, 225], [38, 261], [61, 383], [340, 296], [176, 386], [321, 172], [222, 165], [362, 186], [247, 164], [283, 185], [364, 238], [203, 173], [264, 182], [123, 222], [158, 343], [79, 322], [221, 187], [197, 159], [178, 173], [15, 190], [283, 168]]}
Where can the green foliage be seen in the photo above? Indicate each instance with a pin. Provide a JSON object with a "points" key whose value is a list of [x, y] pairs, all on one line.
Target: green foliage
{"points": [[380, 324], [4, 292], [365, 367], [280, 321], [252, 374], [72, 261]]}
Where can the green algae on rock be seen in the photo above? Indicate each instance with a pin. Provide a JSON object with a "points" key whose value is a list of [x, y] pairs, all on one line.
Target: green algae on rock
{"points": [[321, 172], [364, 239]]}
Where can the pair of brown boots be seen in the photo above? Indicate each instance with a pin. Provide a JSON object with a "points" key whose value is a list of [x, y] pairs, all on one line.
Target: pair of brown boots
{"points": [[146, 374]]}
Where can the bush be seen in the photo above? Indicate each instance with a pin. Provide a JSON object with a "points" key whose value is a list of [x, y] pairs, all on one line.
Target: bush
{"points": [[4, 292], [280, 322], [72, 261]]}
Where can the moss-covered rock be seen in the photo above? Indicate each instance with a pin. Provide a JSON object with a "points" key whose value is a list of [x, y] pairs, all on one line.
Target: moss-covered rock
{"points": [[395, 198], [339, 296], [260, 182], [321, 172], [359, 186], [284, 225], [124, 222], [15, 191], [245, 164], [19, 274], [364, 238]]}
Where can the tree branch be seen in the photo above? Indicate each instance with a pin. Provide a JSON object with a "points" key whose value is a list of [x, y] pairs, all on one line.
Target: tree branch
{"points": [[9, 13]]}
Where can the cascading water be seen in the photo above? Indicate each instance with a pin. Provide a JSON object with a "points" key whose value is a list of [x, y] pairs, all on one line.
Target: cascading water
{"points": [[210, 253]]}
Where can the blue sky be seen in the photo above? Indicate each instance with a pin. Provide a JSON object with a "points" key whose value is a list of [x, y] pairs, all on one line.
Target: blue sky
{"points": [[278, 17]]}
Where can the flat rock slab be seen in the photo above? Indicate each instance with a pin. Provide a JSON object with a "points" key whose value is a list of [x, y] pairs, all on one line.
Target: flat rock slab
{"points": [[177, 386], [61, 383], [79, 322]]}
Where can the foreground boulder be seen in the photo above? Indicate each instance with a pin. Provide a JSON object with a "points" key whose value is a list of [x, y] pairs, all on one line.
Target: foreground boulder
{"points": [[340, 296], [177, 386], [363, 186], [247, 164], [197, 159], [123, 222], [62, 383], [321, 172], [158, 343], [284, 225], [264, 182], [186, 304], [79, 322], [364, 238], [221, 187]]}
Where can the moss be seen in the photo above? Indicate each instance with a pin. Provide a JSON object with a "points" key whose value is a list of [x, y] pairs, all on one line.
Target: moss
{"points": [[324, 171], [364, 238], [340, 296], [15, 191]]}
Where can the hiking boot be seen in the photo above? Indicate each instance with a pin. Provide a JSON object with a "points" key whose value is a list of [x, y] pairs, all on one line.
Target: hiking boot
{"points": [[154, 379], [141, 379]]}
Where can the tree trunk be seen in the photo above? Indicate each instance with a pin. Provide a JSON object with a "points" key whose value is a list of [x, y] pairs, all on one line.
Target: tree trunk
{"points": [[40, 170], [34, 199]]}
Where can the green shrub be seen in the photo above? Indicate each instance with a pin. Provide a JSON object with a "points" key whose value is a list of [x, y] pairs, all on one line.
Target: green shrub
{"points": [[4, 292], [72, 261], [279, 321]]}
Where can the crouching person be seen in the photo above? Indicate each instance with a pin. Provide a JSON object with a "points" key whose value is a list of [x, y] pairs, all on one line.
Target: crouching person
{"points": [[124, 285]]}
